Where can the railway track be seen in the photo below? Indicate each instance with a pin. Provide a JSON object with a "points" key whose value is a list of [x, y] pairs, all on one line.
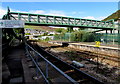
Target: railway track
{"points": [[102, 56], [76, 74], [96, 57]]}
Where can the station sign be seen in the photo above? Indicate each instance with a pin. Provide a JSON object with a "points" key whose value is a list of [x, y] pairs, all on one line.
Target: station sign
{"points": [[11, 24]]}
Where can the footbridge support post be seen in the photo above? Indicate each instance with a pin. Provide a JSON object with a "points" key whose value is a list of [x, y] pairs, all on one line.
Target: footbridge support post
{"points": [[106, 36]]}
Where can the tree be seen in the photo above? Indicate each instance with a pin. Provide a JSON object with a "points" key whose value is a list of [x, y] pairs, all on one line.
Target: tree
{"points": [[81, 29], [60, 30], [70, 29], [45, 34]]}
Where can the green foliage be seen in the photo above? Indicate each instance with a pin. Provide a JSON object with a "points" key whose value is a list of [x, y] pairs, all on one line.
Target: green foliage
{"points": [[40, 35], [60, 30], [51, 35], [18, 30], [88, 37], [69, 29], [81, 29], [47, 39], [83, 36], [77, 36], [56, 36], [27, 34], [44, 40], [45, 34]]}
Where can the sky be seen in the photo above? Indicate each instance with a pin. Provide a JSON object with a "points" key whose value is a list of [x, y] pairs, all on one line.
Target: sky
{"points": [[60, 0], [86, 10]]}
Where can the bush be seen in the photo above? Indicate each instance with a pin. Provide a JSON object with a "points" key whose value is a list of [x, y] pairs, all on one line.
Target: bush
{"points": [[45, 34], [27, 34], [82, 36], [47, 39], [88, 37], [78, 36], [60, 30]]}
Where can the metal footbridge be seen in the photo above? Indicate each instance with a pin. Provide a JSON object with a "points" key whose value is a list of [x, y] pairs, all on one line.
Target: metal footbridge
{"points": [[50, 20]]}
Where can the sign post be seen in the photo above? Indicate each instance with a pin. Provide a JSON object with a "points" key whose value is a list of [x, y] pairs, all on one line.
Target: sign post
{"points": [[11, 24], [97, 44]]}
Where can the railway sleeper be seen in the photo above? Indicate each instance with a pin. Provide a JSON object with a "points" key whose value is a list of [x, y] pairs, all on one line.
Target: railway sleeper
{"points": [[83, 81], [32, 66]]}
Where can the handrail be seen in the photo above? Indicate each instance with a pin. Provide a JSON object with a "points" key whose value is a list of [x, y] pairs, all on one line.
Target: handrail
{"points": [[65, 75], [38, 67]]}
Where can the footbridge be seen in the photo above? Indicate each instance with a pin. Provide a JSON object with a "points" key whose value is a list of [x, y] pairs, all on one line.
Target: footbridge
{"points": [[50, 20]]}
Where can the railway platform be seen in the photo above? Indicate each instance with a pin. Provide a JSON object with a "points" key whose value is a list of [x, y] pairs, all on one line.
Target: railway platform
{"points": [[15, 68]]}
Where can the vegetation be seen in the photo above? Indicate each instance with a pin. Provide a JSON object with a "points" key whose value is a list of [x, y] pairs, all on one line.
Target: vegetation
{"points": [[83, 36], [60, 30], [70, 35], [27, 34], [47, 39], [45, 34], [18, 30], [81, 29], [78, 36], [44, 40], [42, 28], [70, 29], [51, 35]]}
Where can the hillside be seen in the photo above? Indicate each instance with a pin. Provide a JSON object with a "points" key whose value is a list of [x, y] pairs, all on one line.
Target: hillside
{"points": [[114, 16], [43, 28]]}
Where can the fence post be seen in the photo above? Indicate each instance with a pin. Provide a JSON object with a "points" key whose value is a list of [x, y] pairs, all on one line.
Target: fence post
{"points": [[106, 36], [113, 36], [46, 70], [36, 58], [26, 53]]}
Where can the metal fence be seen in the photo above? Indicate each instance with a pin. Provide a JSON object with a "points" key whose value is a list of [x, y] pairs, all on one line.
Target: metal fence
{"points": [[49, 72], [107, 38], [102, 37]]}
